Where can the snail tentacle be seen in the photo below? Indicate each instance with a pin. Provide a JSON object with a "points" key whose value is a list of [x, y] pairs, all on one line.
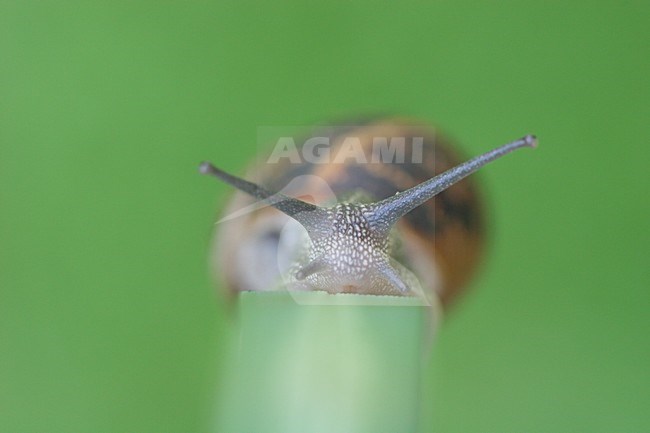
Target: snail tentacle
{"points": [[386, 212]]}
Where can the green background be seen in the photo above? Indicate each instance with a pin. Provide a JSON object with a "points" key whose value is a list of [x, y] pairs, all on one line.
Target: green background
{"points": [[108, 319]]}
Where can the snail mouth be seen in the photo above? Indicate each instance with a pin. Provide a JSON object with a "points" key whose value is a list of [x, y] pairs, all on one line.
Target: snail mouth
{"points": [[350, 288]]}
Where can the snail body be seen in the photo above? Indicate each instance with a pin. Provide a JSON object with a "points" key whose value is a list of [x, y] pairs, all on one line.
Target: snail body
{"points": [[392, 216]]}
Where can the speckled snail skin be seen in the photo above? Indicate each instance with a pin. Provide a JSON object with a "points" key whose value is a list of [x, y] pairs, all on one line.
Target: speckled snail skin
{"points": [[397, 227]]}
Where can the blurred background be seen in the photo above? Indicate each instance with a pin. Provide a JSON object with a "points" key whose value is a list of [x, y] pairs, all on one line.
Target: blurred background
{"points": [[108, 318]]}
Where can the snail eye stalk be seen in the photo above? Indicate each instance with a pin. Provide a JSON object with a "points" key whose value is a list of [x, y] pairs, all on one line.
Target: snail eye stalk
{"points": [[312, 217], [387, 212]]}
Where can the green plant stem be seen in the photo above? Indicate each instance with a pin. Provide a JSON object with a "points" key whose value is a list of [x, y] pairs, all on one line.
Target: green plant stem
{"points": [[317, 368]]}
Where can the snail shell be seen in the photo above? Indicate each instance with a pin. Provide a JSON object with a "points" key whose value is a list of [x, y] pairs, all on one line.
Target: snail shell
{"points": [[440, 242]]}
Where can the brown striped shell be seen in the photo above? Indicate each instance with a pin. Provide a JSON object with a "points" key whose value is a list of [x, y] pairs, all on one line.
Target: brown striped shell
{"points": [[440, 241]]}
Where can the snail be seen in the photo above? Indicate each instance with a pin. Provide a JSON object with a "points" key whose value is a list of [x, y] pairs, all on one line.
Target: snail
{"points": [[383, 208]]}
